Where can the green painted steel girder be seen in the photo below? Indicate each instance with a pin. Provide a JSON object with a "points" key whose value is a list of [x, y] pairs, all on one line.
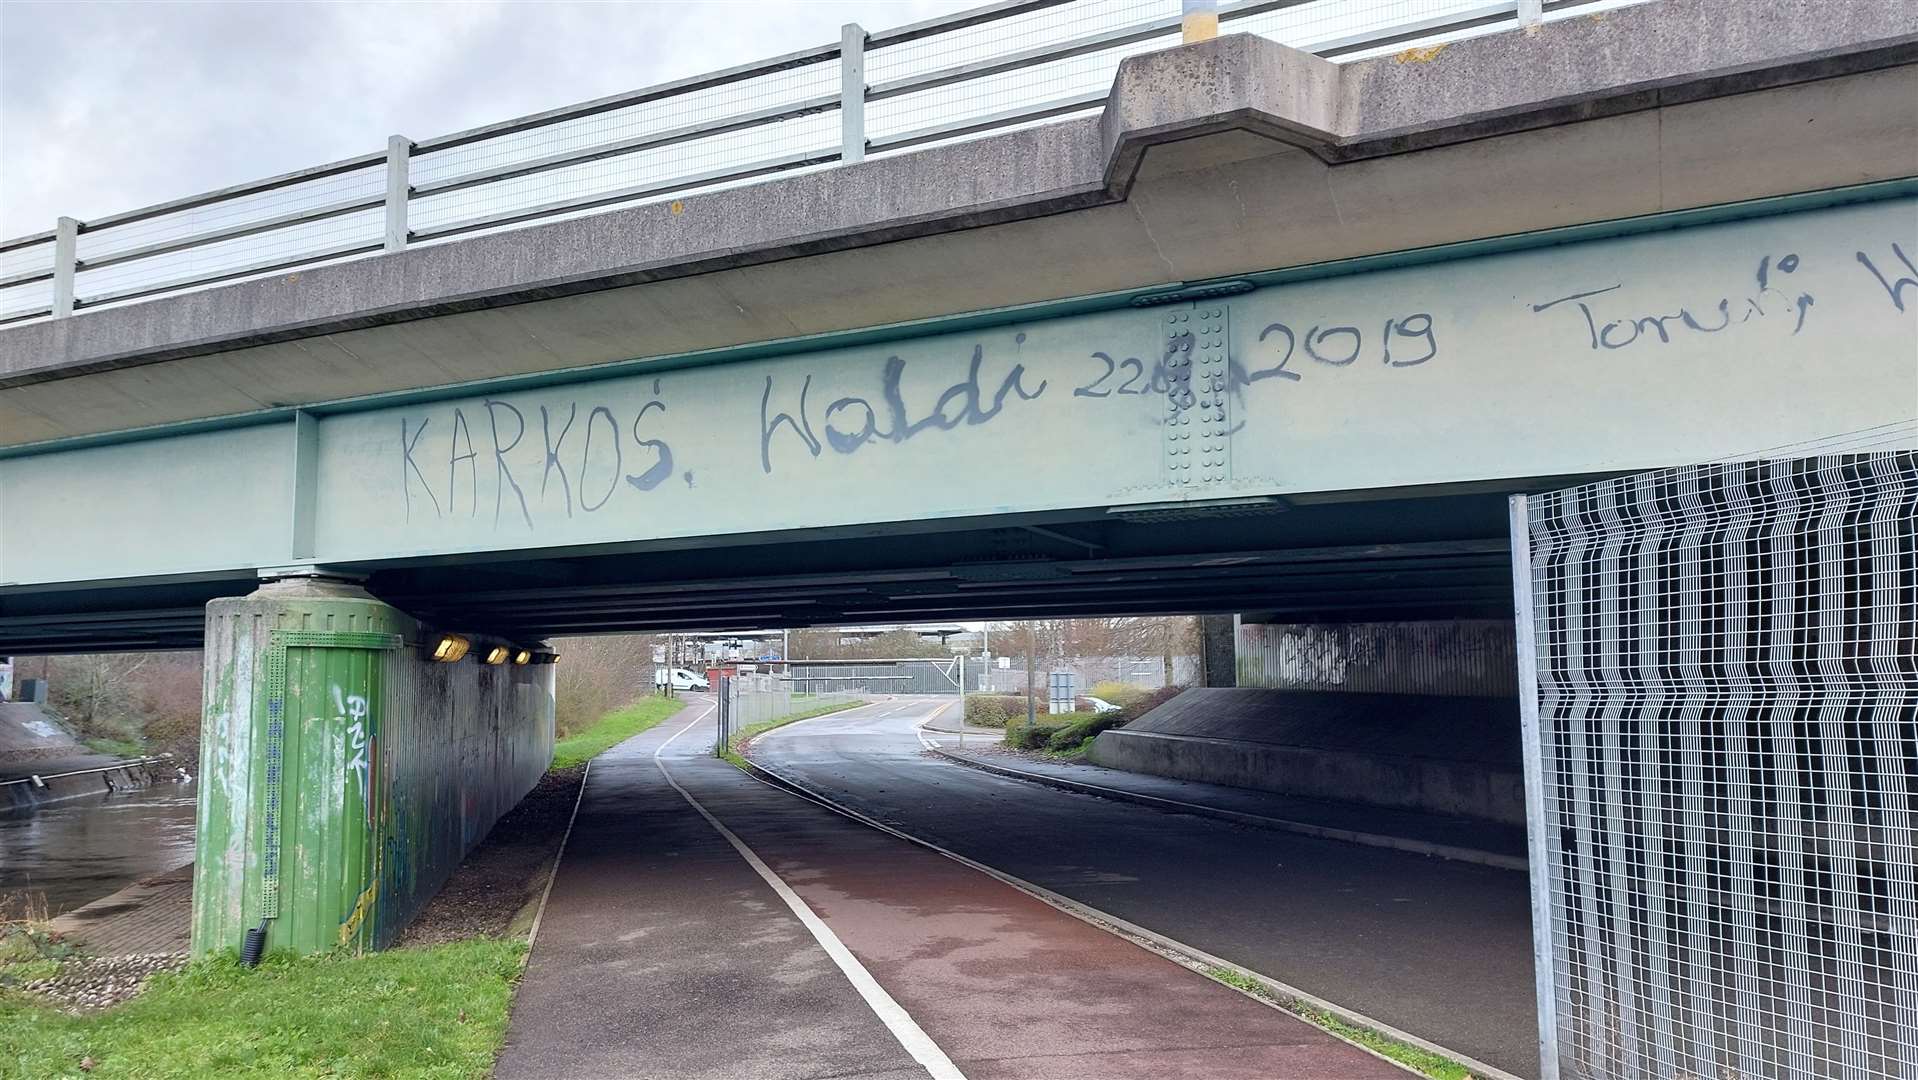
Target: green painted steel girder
{"points": [[1788, 333]]}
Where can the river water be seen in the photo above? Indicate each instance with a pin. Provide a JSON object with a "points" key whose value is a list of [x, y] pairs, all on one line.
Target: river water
{"points": [[67, 853]]}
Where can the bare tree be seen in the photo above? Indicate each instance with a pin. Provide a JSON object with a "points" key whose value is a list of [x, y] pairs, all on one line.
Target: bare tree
{"points": [[599, 674], [97, 692]]}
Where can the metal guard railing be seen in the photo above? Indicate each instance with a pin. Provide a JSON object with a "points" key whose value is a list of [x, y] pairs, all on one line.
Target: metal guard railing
{"points": [[149, 763], [940, 80]]}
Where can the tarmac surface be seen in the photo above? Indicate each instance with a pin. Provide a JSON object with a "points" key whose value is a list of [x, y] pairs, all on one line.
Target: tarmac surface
{"points": [[1437, 948], [663, 952]]}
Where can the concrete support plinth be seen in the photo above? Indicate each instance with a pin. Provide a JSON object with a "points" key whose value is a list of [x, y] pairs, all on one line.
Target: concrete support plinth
{"points": [[1218, 650], [345, 774]]}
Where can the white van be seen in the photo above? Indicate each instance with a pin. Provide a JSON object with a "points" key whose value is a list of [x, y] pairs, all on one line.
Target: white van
{"points": [[680, 679]]}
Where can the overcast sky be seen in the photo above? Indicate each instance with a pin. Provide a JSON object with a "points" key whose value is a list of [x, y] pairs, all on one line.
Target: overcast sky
{"points": [[109, 106]]}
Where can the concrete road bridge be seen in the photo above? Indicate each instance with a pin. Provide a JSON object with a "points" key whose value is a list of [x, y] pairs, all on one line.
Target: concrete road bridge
{"points": [[1250, 331]]}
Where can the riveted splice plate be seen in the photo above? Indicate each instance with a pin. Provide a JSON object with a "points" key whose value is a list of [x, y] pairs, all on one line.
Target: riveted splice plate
{"points": [[1198, 410]]}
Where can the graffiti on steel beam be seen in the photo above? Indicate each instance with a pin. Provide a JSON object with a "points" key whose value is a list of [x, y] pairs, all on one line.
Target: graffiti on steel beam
{"points": [[1359, 371], [590, 484], [852, 421]]}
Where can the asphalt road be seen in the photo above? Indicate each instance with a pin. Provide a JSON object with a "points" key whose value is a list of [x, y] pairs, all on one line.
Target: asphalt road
{"points": [[704, 924], [1436, 948]]}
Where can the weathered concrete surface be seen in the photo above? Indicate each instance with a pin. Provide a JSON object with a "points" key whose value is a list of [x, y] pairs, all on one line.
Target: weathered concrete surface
{"points": [[1210, 160], [1444, 755], [30, 735], [34, 742], [1451, 657], [1216, 651], [152, 915]]}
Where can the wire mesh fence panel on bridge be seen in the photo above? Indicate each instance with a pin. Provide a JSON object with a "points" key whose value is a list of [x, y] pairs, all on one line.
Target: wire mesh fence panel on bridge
{"points": [[1722, 756], [976, 72]]}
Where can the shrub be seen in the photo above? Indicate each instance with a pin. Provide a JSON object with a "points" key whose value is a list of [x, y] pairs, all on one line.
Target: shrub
{"points": [[1072, 735], [1121, 694], [1034, 737], [993, 710], [1069, 736]]}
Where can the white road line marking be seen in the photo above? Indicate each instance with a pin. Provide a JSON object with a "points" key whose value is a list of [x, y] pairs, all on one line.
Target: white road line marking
{"points": [[919, 729], [539, 916], [903, 1027]]}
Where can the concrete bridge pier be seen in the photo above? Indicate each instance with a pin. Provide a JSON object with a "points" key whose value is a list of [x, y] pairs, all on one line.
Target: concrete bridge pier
{"points": [[351, 757]]}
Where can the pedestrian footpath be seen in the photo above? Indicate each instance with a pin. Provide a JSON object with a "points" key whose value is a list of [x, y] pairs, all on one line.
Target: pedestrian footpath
{"points": [[663, 952]]}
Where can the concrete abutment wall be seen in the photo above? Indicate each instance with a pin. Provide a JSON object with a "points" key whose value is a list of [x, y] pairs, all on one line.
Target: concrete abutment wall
{"points": [[344, 774], [1416, 715]]}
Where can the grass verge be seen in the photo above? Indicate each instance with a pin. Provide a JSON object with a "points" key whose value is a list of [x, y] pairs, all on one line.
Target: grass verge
{"points": [[431, 1010], [120, 748], [731, 753], [1433, 1065], [438, 1011], [612, 729]]}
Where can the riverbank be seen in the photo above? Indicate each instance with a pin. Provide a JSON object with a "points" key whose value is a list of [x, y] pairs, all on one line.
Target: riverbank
{"points": [[433, 1006], [61, 855]]}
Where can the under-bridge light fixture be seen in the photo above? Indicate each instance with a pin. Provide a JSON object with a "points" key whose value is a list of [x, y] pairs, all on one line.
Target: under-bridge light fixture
{"points": [[498, 654], [524, 656], [450, 648]]}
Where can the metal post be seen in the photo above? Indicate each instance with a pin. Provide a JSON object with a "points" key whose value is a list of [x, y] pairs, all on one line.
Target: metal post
{"points": [[1032, 663], [852, 93], [1198, 20], [1531, 12], [399, 152], [66, 245], [1537, 856], [985, 657], [962, 701]]}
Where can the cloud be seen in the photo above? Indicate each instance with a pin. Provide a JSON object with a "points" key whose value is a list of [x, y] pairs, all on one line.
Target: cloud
{"points": [[108, 106]]}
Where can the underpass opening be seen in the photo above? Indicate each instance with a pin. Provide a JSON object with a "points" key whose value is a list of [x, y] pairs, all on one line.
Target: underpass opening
{"points": [[1340, 560], [1345, 708]]}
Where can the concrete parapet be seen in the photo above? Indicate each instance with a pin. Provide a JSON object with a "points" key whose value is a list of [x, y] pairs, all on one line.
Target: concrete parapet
{"points": [[775, 241]]}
